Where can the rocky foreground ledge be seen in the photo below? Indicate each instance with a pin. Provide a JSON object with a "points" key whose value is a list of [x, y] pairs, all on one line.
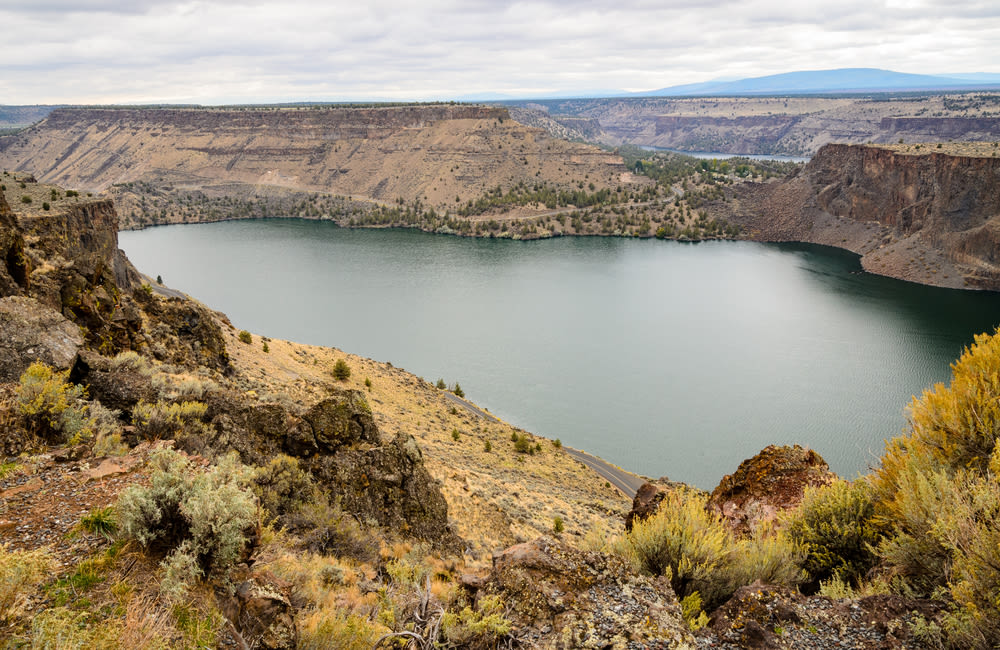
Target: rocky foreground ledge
{"points": [[366, 510]]}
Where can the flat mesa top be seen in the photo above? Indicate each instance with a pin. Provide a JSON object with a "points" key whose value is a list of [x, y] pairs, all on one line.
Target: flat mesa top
{"points": [[970, 149]]}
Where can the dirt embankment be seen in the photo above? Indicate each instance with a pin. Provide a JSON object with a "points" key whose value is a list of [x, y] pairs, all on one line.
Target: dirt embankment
{"points": [[912, 213]]}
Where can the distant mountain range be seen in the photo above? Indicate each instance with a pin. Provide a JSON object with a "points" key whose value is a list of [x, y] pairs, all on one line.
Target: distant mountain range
{"points": [[842, 80]]}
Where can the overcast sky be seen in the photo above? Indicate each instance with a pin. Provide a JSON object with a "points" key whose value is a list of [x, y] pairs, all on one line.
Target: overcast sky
{"points": [[223, 51]]}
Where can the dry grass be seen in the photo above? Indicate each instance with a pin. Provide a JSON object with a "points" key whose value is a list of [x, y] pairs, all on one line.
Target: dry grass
{"points": [[970, 149], [495, 498]]}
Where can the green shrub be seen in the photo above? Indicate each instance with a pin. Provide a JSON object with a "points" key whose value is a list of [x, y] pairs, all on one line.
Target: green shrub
{"points": [[557, 525], [482, 627], [26, 199], [938, 502], [368, 383], [835, 525], [523, 445], [100, 521], [46, 206], [769, 556], [168, 419], [64, 629], [333, 628], [487, 446], [455, 435], [341, 371], [326, 528], [245, 337], [282, 486], [458, 390], [265, 348], [51, 406], [20, 574], [686, 542], [204, 515], [441, 385], [692, 613]]}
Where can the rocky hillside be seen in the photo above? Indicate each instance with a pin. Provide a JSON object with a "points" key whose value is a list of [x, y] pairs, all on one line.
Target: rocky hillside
{"points": [[915, 212], [437, 156], [796, 126]]}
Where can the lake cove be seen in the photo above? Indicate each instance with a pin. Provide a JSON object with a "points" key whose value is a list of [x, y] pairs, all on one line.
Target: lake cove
{"points": [[665, 358]]}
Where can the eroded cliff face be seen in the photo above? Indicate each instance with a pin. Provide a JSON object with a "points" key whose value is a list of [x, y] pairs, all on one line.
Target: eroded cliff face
{"points": [[927, 217], [65, 255], [438, 155], [776, 125]]}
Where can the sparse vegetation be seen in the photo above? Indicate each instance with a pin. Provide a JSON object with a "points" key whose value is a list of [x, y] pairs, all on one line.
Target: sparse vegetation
{"points": [[52, 407], [341, 371], [245, 337], [200, 520]]}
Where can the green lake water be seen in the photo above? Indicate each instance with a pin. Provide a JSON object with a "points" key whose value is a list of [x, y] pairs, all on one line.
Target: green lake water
{"points": [[668, 359]]}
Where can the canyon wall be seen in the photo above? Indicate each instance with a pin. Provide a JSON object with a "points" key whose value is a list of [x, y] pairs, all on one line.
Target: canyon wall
{"points": [[927, 217], [438, 154], [796, 126]]}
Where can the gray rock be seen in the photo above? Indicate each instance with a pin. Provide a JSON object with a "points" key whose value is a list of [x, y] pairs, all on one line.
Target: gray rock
{"points": [[29, 332]]}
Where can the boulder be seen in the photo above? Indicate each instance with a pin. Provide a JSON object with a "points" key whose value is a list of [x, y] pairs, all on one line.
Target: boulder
{"points": [[342, 419], [390, 484], [262, 613], [762, 486], [648, 497], [766, 616], [337, 441], [646, 502], [29, 332], [185, 333], [560, 597], [118, 387]]}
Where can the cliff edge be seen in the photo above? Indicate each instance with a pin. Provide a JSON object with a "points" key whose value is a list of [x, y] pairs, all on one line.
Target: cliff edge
{"points": [[911, 213]]}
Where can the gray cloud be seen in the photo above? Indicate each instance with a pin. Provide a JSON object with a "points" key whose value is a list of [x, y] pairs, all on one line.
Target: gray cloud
{"points": [[216, 51]]}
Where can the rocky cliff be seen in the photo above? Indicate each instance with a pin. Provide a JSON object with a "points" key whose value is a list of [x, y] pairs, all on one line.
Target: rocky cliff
{"points": [[776, 125], [912, 213], [438, 155]]}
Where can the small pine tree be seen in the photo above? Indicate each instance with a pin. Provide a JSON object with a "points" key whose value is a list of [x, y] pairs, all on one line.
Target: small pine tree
{"points": [[458, 390], [440, 384], [341, 371]]}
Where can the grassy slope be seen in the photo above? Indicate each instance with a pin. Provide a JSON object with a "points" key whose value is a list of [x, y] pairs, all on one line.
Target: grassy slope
{"points": [[494, 498]]}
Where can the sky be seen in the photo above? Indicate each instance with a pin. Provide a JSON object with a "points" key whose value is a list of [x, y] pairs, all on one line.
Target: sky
{"points": [[223, 51]]}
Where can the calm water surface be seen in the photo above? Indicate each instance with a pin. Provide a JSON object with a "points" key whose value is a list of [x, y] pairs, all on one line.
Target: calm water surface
{"points": [[668, 359]]}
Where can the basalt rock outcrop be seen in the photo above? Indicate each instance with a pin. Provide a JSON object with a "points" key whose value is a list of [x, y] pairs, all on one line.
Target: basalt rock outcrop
{"points": [[31, 331], [82, 302], [765, 616], [773, 480], [911, 213], [67, 258], [337, 442], [647, 499], [564, 598]]}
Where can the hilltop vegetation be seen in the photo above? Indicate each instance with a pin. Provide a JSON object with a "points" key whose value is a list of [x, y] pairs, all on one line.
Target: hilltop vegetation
{"points": [[673, 204]]}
